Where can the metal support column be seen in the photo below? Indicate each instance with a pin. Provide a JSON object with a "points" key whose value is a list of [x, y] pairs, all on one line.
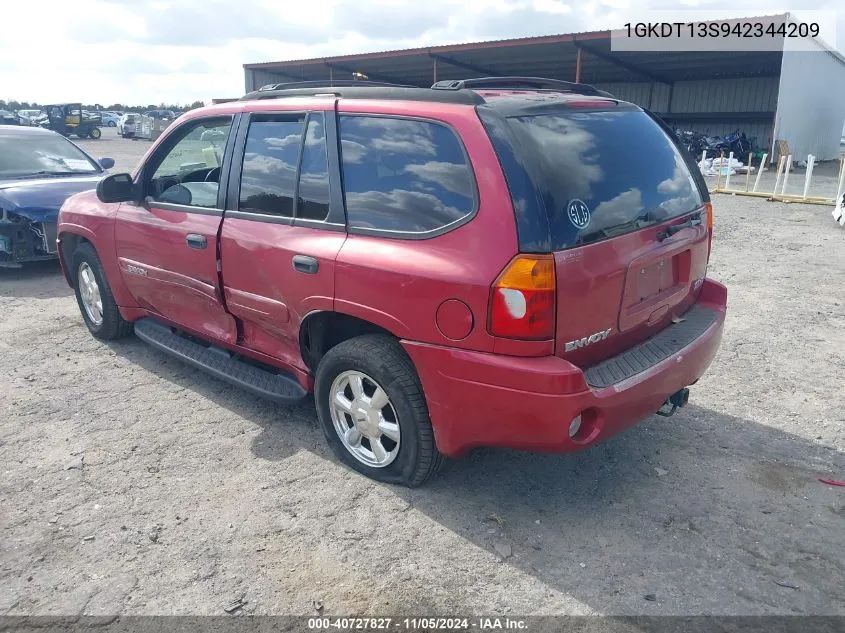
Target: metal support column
{"points": [[578, 66]]}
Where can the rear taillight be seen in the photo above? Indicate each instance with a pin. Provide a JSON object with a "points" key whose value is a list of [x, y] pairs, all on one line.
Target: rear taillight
{"points": [[522, 301], [708, 209]]}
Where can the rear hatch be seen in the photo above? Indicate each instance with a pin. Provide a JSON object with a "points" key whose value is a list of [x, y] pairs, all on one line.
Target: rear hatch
{"points": [[603, 186]]}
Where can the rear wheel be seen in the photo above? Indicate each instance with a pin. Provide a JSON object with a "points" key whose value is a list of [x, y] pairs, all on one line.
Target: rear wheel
{"points": [[112, 124], [98, 307], [372, 409]]}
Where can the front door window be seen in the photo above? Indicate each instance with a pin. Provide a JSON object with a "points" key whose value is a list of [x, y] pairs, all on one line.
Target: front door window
{"points": [[189, 172]]}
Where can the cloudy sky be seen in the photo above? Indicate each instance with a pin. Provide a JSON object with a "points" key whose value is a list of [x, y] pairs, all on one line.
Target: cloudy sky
{"points": [[151, 51]]}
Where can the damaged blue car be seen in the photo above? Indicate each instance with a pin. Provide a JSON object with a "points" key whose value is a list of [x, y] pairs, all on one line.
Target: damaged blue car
{"points": [[39, 170]]}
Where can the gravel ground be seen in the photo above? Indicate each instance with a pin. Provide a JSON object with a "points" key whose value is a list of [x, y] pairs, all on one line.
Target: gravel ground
{"points": [[125, 152], [133, 484]]}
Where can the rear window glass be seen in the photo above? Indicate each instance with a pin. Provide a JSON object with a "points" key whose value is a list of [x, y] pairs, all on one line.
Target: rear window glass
{"points": [[404, 175], [593, 175]]}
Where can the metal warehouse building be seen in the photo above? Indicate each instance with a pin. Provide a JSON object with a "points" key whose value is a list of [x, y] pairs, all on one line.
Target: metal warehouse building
{"points": [[793, 95]]}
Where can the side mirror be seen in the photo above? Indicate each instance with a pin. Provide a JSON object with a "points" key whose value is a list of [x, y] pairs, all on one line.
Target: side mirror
{"points": [[176, 194], [106, 163], [116, 188]]}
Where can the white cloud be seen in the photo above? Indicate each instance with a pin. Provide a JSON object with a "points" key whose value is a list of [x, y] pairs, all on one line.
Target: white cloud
{"points": [[450, 176], [151, 51], [623, 208]]}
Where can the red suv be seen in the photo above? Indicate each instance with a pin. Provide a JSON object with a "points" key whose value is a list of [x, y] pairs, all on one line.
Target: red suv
{"points": [[510, 262]]}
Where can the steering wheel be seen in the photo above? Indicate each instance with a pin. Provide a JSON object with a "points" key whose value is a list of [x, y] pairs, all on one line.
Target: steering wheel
{"points": [[211, 171]]}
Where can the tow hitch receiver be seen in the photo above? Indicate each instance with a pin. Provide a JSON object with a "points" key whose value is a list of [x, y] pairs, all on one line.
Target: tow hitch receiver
{"points": [[676, 400]]}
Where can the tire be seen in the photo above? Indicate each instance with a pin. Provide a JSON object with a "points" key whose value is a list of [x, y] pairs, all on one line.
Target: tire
{"points": [[111, 326], [111, 124], [95, 133], [383, 361]]}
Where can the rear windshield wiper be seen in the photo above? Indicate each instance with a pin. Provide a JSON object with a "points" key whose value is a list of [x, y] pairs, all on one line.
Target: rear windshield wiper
{"points": [[619, 229], [693, 220]]}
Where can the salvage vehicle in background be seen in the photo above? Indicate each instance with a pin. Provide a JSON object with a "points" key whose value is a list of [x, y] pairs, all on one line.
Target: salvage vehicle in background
{"points": [[9, 118], [70, 118], [29, 117], [484, 263], [110, 119], [39, 169], [127, 125], [164, 115]]}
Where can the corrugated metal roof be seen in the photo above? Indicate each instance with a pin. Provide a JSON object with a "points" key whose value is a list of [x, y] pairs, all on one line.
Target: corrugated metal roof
{"points": [[445, 48], [553, 56]]}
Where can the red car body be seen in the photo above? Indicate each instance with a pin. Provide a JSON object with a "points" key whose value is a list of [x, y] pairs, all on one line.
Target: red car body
{"points": [[434, 295]]}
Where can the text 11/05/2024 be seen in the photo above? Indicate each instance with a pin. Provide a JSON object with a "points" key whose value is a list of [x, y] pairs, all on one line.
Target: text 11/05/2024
{"points": [[418, 624]]}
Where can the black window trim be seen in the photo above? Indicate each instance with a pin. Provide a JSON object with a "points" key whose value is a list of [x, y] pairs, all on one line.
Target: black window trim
{"points": [[411, 235], [171, 140], [336, 220]]}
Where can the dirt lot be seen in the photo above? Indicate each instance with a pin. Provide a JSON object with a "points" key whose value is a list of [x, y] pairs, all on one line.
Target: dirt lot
{"points": [[192, 493], [125, 152]]}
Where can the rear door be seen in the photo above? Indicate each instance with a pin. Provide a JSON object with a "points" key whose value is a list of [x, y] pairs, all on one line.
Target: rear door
{"points": [[284, 225], [167, 245], [601, 184]]}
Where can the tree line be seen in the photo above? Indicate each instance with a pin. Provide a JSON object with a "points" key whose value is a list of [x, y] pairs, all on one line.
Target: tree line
{"points": [[27, 105]]}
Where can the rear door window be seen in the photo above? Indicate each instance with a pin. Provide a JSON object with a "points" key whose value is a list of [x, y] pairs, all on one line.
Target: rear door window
{"points": [[268, 175], [595, 174], [404, 176]]}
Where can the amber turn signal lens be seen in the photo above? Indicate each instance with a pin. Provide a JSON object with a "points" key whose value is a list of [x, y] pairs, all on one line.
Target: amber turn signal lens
{"points": [[529, 272]]}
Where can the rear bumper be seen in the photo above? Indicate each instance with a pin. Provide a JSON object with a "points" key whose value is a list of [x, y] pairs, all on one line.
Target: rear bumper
{"points": [[479, 399]]}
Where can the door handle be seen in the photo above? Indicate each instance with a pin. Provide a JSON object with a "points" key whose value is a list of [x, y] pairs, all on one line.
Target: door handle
{"points": [[196, 241], [305, 264]]}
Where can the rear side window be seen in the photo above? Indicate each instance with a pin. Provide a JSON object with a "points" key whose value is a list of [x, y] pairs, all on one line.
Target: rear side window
{"points": [[403, 175], [268, 176], [592, 175]]}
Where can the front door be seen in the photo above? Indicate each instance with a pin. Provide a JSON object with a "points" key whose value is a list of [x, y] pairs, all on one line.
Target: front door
{"points": [[283, 227], [167, 245]]}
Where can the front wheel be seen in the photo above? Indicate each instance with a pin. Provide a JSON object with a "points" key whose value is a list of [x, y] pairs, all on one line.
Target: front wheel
{"points": [[95, 133], [95, 299], [373, 412]]}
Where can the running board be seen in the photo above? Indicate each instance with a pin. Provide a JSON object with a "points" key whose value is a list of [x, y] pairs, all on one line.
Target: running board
{"points": [[220, 363]]}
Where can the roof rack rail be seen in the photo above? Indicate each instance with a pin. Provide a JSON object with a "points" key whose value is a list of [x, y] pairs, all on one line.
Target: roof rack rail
{"points": [[312, 88], [340, 83], [360, 89], [519, 83]]}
